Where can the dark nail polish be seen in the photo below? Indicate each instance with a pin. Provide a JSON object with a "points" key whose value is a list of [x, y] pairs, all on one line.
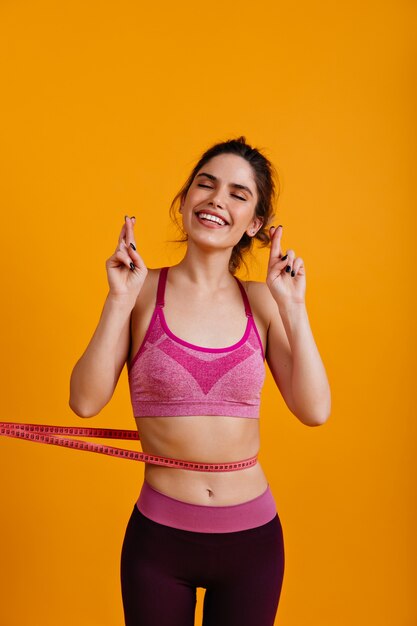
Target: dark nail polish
{"points": [[133, 217], [284, 257], [132, 266], [132, 245], [288, 268], [293, 273]]}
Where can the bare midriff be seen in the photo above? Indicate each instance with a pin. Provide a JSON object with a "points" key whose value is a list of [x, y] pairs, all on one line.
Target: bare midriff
{"points": [[206, 439]]}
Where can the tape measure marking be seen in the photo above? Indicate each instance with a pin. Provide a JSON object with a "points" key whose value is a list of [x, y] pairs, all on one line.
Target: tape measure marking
{"points": [[43, 433]]}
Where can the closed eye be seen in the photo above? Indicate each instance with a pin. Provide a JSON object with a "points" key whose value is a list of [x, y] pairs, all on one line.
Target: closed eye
{"points": [[233, 194]]}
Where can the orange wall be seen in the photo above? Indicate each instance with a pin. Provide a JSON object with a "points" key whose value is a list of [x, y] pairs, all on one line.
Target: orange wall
{"points": [[105, 108]]}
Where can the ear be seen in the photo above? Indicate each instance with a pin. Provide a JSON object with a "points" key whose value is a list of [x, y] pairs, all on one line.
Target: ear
{"points": [[254, 226]]}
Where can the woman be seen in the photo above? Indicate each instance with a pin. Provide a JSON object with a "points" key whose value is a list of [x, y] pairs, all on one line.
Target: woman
{"points": [[195, 339]]}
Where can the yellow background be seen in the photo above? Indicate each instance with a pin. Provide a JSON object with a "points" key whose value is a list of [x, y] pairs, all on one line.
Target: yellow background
{"points": [[105, 109]]}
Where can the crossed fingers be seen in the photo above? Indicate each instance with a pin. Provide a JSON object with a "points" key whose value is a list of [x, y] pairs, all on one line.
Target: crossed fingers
{"points": [[277, 259], [126, 237]]}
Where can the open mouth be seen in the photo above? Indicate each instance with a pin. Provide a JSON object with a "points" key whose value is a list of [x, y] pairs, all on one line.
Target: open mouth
{"points": [[208, 218]]}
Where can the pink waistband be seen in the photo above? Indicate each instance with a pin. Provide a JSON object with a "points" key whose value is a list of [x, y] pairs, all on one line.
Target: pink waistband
{"points": [[205, 518]]}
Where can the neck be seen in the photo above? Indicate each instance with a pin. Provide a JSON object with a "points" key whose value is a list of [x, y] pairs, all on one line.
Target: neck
{"points": [[208, 269]]}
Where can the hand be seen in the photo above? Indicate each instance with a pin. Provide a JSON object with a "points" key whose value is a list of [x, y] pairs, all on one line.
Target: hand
{"points": [[124, 278], [287, 286]]}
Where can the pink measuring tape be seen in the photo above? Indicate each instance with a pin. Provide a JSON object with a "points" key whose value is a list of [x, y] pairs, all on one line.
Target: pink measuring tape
{"points": [[42, 433]]}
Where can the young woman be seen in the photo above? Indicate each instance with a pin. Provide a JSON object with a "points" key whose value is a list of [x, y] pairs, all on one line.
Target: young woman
{"points": [[195, 339]]}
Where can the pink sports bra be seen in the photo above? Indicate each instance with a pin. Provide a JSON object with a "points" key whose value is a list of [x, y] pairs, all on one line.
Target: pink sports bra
{"points": [[172, 377]]}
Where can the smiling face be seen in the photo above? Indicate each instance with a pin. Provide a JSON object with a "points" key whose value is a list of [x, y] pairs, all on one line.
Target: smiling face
{"points": [[220, 204]]}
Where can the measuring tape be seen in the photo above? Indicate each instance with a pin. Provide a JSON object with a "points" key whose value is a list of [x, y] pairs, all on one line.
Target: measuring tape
{"points": [[43, 433]]}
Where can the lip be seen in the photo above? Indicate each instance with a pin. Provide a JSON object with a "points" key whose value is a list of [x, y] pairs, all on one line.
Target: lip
{"points": [[210, 224]]}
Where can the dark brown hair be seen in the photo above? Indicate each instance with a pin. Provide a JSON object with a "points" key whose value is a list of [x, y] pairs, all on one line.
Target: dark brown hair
{"points": [[265, 176]]}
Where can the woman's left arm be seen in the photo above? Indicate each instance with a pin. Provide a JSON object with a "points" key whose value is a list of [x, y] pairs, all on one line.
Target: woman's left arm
{"points": [[292, 354]]}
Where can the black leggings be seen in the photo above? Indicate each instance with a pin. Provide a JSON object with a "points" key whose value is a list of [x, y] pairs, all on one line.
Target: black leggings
{"points": [[162, 566]]}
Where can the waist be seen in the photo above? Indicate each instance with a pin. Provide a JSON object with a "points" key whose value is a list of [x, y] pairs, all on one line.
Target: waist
{"points": [[211, 439], [217, 488], [164, 509]]}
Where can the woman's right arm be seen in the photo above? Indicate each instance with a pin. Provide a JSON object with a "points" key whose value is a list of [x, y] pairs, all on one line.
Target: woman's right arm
{"points": [[95, 375]]}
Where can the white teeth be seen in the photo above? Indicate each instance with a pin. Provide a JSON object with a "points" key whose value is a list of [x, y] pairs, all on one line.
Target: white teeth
{"points": [[212, 218]]}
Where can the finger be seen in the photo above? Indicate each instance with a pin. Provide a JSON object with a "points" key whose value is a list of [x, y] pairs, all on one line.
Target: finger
{"points": [[128, 221], [138, 262], [123, 258], [298, 267], [275, 253], [289, 261], [130, 237], [130, 245], [132, 252], [122, 234], [275, 233]]}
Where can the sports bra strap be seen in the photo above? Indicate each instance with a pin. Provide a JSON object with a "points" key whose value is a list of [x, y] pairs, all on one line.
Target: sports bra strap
{"points": [[248, 310], [160, 294]]}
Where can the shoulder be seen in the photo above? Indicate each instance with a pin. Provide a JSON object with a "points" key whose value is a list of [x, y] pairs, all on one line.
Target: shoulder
{"points": [[260, 298]]}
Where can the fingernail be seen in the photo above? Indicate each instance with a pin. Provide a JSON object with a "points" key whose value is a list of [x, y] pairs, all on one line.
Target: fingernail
{"points": [[126, 216], [132, 266], [133, 217], [293, 273], [288, 268], [132, 245], [284, 257], [280, 225]]}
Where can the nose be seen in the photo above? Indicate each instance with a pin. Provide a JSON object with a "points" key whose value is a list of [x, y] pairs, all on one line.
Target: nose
{"points": [[216, 199]]}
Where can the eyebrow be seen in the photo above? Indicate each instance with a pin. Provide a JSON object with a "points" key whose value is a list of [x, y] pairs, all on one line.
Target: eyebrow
{"points": [[235, 185]]}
